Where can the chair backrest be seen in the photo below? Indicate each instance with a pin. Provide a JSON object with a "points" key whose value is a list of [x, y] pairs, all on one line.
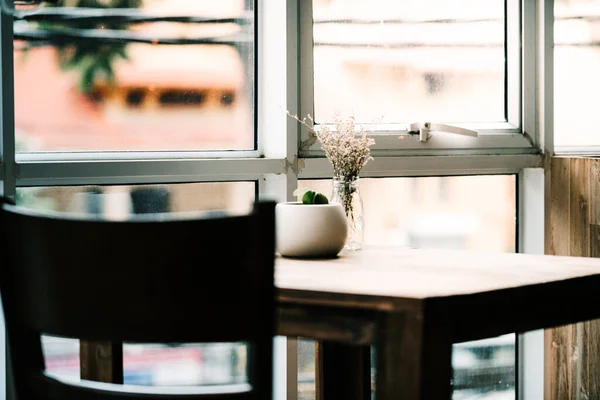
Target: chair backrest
{"points": [[150, 279]]}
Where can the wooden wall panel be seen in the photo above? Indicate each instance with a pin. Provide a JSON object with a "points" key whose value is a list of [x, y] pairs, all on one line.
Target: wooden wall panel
{"points": [[579, 193], [591, 334], [558, 228], [559, 365], [591, 331], [572, 367]]}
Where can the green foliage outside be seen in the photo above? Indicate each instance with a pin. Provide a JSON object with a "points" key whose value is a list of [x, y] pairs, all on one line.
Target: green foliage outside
{"points": [[92, 58]]}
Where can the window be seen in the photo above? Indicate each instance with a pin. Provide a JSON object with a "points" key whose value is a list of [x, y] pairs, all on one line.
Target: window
{"points": [[477, 213], [410, 61], [130, 81], [149, 364], [577, 58], [158, 364], [393, 63], [180, 124], [120, 201]]}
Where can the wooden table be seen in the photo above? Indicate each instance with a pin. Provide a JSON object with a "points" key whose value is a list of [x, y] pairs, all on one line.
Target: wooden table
{"points": [[414, 304]]}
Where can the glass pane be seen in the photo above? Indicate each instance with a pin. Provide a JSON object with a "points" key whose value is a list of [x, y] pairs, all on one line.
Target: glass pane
{"points": [[409, 60], [306, 370], [123, 83], [576, 78], [466, 212], [61, 356], [122, 201], [150, 364], [189, 364]]}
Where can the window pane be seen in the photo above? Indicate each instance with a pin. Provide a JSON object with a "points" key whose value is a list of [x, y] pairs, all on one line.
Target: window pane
{"points": [[124, 84], [466, 212], [576, 78], [150, 364], [410, 60], [122, 201]]}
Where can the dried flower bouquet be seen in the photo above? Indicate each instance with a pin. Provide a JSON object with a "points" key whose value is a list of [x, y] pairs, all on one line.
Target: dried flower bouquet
{"points": [[348, 149]]}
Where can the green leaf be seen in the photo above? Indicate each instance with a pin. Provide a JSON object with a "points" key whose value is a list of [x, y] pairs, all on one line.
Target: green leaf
{"points": [[105, 65], [309, 197], [320, 198], [86, 80], [93, 60], [120, 50]]}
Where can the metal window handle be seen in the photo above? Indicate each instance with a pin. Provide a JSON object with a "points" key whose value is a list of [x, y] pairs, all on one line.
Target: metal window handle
{"points": [[424, 128]]}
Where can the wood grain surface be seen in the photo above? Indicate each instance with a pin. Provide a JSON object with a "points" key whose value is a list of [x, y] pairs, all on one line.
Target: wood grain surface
{"points": [[572, 370], [395, 272]]}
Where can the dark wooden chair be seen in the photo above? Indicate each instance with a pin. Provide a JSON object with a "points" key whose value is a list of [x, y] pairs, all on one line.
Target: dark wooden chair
{"points": [[162, 278]]}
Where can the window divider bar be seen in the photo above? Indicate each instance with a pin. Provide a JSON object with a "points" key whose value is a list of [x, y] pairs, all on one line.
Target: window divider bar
{"points": [[8, 182], [306, 66], [514, 62], [530, 217], [7, 107], [137, 172], [530, 70], [393, 166], [132, 156], [545, 69], [440, 142]]}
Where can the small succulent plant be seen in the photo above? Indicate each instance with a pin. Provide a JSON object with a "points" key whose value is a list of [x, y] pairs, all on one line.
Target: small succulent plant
{"points": [[310, 196]]}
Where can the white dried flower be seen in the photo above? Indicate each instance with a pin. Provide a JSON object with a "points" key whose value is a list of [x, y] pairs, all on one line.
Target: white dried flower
{"points": [[348, 147]]}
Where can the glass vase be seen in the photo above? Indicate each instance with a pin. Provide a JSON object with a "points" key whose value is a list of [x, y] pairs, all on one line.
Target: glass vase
{"points": [[347, 193]]}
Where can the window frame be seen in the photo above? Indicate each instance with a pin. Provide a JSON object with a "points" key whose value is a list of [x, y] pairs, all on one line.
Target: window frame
{"points": [[516, 136], [279, 160], [276, 154]]}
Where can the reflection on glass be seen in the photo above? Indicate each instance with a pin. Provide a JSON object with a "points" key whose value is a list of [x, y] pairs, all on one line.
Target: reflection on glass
{"points": [[576, 78], [150, 364], [466, 212], [407, 61], [129, 84]]}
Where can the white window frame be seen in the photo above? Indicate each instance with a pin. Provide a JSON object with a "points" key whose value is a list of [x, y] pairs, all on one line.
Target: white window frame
{"points": [[284, 81], [515, 136]]}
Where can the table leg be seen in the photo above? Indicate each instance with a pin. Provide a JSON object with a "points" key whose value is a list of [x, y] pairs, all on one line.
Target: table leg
{"points": [[343, 371], [436, 367], [413, 363], [101, 361]]}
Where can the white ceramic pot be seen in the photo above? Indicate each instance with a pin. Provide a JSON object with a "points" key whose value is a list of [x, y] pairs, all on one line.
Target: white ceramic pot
{"points": [[310, 230]]}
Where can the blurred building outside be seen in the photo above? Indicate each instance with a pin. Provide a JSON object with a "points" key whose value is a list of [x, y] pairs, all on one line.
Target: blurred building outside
{"points": [[165, 96]]}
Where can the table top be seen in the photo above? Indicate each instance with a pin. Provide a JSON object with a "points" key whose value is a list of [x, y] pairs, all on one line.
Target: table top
{"points": [[461, 286], [420, 274]]}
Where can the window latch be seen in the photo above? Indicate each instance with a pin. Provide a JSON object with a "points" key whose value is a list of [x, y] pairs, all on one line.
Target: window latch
{"points": [[424, 129]]}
